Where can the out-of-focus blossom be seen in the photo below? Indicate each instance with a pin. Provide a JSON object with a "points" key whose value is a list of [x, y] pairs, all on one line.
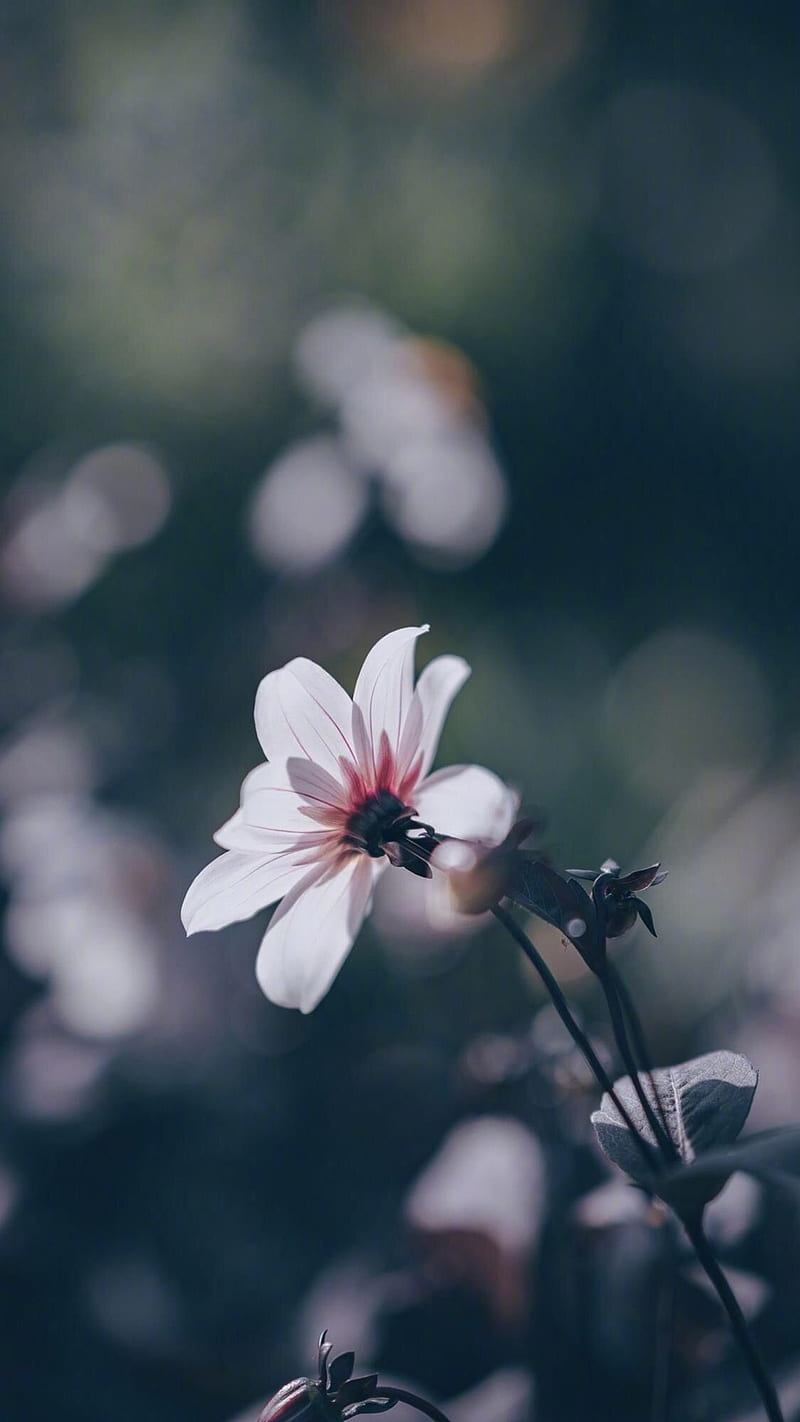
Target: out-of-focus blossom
{"points": [[49, 1075], [75, 918], [64, 531], [421, 929], [82, 882], [336, 801], [479, 877], [410, 426], [309, 507], [478, 1207], [489, 1176]]}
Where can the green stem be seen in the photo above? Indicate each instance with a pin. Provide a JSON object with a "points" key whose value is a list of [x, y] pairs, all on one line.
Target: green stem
{"points": [[738, 1322]]}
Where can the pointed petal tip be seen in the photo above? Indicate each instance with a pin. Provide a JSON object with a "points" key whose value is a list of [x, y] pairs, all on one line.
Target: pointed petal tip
{"points": [[236, 885], [190, 911], [192, 916]]}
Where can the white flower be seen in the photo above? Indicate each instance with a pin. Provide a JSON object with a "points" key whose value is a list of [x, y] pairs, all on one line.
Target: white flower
{"points": [[341, 795]]}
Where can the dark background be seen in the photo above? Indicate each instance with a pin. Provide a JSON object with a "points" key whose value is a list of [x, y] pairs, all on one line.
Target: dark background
{"points": [[575, 224]]}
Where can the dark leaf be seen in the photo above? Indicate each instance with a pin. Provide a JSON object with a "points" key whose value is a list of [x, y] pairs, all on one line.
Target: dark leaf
{"points": [[356, 1390], [768, 1153], [643, 878], [704, 1103], [341, 1369], [645, 915], [563, 903], [772, 1156], [619, 1145], [324, 1351]]}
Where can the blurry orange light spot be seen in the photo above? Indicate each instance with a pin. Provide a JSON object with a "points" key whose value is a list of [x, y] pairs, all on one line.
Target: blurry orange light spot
{"points": [[451, 34], [463, 37], [451, 375]]}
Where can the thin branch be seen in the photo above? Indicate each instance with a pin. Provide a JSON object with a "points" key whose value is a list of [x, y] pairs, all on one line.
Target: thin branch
{"points": [[738, 1322], [577, 1034], [637, 1033], [399, 1394], [662, 1136]]}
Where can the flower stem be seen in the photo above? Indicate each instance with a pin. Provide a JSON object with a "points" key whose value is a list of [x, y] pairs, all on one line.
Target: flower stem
{"points": [[634, 1021], [661, 1135], [637, 1035], [399, 1394], [665, 1306], [738, 1322], [576, 1033]]}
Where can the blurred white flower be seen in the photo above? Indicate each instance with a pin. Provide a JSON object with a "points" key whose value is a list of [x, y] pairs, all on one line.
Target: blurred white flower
{"points": [[409, 436], [336, 801]]}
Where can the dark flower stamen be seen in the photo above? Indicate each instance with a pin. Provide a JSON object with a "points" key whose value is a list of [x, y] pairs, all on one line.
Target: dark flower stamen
{"points": [[384, 825]]}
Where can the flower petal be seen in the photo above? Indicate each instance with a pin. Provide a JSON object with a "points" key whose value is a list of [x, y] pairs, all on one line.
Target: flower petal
{"points": [[312, 932], [438, 684], [271, 806], [468, 802], [385, 687], [301, 711], [307, 845], [235, 886], [316, 786]]}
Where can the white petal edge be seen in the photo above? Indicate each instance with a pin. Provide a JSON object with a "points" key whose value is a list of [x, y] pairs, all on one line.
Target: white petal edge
{"points": [[235, 886], [468, 802], [438, 685], [301, 711], [312, 932], [385, 686]]}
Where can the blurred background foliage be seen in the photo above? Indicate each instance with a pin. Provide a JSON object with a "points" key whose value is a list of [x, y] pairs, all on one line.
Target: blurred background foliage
{"points": [[320, 319]]}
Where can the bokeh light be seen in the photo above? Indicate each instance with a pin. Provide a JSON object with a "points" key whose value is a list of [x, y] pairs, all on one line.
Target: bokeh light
{"points": [[63, 534], [307, 507], [410, 422]]}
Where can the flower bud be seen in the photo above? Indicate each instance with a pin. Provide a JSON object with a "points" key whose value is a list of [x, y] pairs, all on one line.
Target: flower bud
{"points": [[299, 1401], [479, 876]]}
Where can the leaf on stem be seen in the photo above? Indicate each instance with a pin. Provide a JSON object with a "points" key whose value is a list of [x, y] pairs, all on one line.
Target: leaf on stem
{"points": [[771, 1155], [564, 903], [704, 1104]]}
